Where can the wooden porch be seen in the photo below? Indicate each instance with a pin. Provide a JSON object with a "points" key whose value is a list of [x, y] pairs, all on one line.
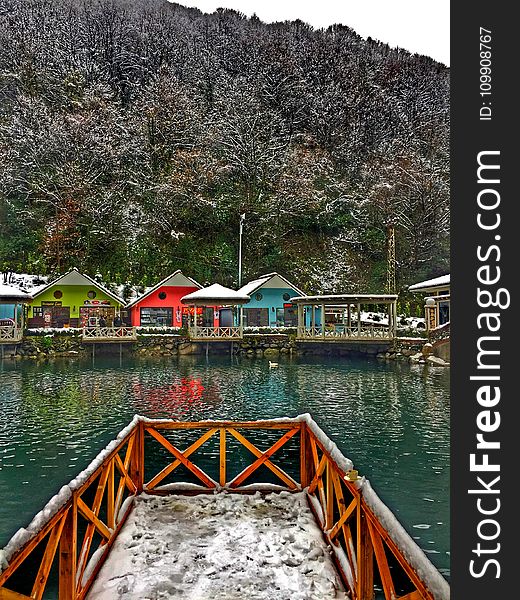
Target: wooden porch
{"points": [[339, 318], [109, 334], [213, 334], [10, 334], [75, 532]]}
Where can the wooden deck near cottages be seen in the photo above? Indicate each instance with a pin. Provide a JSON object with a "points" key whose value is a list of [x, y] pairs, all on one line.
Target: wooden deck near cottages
{"points": [[10, 334], [215, 334], [75, 532], [377, 333], [339, 318], [104, 335]]}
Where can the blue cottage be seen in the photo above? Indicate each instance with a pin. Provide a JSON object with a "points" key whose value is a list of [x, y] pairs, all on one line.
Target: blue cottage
{"points": [[270, 304]]}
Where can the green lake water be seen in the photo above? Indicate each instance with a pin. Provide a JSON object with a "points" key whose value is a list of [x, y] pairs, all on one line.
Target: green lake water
{"points": [[391, 418]]}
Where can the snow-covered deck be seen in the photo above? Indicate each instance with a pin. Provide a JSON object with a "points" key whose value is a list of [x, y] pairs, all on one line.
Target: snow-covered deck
{"points": [[219, 546], [341, 318], [80, 526]]}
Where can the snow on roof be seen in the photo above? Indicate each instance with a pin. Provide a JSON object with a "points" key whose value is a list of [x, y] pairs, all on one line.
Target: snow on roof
{"points": [[74, 277], [9, 293], [176, 275], [438, 282], [339, 299], [255, 284], [219, 546], [215, 293], [25, 281]]}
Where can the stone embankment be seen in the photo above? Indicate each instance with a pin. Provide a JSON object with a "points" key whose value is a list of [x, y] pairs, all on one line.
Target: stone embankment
{"points": [[69, 344], [269, 345], [418, 351]]}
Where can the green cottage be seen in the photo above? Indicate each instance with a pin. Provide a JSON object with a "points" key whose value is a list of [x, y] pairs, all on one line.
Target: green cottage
{"points": [[73, 300]]}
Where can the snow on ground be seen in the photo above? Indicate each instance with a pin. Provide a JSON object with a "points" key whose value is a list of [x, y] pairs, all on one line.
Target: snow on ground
{"points": [[221, 546]]}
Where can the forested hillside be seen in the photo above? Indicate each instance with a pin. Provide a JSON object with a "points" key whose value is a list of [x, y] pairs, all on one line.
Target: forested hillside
{"points": [[134, 133]]}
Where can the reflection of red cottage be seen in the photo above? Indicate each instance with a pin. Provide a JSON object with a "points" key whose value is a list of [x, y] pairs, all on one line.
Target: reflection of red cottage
{"points": [[161, 305]]}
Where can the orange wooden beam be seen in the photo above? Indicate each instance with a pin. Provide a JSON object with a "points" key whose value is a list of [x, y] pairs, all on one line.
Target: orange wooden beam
{"points": [[45, 566], [172, 466], [289, 481], [199, 473], [265, 456]]}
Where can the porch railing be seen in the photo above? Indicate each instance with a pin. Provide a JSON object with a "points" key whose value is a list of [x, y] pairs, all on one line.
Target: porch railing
{"points": [[109, 333], [75, 531], [364, 332], [212, 333], [10, 334]]}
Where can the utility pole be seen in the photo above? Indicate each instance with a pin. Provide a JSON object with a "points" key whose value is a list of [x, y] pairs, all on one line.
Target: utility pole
{"points": [[242, 219]]}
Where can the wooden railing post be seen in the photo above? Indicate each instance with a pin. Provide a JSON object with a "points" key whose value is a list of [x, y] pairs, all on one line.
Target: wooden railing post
{"points": [[222, 457], [329, 507], [137, 462], [68, 553], [365, 558], [306, 462]]}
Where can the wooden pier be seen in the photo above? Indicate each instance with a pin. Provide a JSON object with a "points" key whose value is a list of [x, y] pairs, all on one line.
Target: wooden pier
{"points": [[10, 334], [339, 318], [75, 532], [215, 334], [109, 334]]}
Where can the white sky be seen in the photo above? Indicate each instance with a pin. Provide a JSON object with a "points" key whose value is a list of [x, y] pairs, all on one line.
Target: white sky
{"points": [[421, 26]]}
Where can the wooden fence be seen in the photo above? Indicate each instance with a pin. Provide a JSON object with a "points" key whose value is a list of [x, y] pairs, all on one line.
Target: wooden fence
{"points": [[10, 334], [112, 334], [364, 331], [75, 535], [215, 333]]}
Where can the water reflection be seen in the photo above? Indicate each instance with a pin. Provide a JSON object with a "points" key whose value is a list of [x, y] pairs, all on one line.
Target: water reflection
{"points": [[391, 419]]}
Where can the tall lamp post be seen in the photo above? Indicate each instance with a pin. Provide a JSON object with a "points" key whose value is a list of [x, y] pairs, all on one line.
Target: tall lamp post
{"points": [[242, 219]]}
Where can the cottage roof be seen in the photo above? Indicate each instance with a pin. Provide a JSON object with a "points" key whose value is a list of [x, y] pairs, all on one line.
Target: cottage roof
{"points": [[177, 278], [340, 299], [11, 295], [215, 294], [431, 285], [272, 279], [74, 277]]}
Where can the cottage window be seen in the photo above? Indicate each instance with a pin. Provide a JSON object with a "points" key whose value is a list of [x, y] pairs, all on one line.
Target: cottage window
{"points": [[91, 294], [58, 294], [156, 317], [256, 317], [258, 296], [162, 295], [286, 296]]}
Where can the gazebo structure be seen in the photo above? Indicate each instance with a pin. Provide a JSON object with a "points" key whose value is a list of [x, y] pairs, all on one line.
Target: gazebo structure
{"points": [[12, 324], [346, 317], [437, 300], [215, 313]]}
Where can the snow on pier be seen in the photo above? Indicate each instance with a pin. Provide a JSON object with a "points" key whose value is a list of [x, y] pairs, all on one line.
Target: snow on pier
{"points": [[219, 546]]}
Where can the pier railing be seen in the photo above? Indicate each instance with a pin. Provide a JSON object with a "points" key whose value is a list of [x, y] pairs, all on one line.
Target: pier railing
{"points": [[75, 531], [345, 332], [215, 333], [111, 334], [10, 334]]}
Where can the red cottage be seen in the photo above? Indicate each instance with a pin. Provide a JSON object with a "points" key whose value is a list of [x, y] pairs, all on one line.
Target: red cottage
{"points": [[161, 305]]}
